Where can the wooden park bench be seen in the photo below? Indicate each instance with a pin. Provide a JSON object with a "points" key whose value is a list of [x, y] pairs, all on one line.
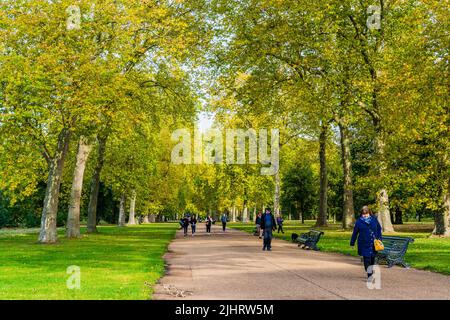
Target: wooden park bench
{"points": [[309, 240], [394, 251]]}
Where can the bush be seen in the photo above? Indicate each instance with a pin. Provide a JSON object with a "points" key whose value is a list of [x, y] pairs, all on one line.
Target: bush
{"points": [[32, 220], [4, 218], [61, 219], [23, 213]]}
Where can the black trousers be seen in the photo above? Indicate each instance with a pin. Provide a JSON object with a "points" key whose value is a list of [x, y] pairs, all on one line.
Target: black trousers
{"points": [[185, 230], [208, 228], [280, 228], [224, 225], [267, 242], [368, 261]]}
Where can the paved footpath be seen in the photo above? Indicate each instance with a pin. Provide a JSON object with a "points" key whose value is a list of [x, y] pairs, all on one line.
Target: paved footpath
{"points": [[232, 265]]}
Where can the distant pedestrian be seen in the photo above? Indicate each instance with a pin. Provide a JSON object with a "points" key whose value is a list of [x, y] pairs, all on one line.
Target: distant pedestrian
{"points": [[181, 222], [185, 225], [268, 225], [367, 229], [224, 220], [193, 224], [280, 223], [208, 221], [258, 224]]}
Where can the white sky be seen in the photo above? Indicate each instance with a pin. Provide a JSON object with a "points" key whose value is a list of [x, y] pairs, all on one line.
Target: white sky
{"points": [[205, 121]]}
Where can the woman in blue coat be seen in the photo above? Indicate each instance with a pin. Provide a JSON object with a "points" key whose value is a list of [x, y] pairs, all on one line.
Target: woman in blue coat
{"points": [[367, 229]]}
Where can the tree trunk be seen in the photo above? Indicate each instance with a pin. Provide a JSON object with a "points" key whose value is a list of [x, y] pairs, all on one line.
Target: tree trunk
{"points": [[48, 233], [245, 212], [322, 217], [152, 218], [131, 219], [398, 216], [300, 215], [95, 186], [145, 219], [442, 218], [121, 222], [276, 196], [233, 212], [254, 214], [348, 213], [73, 217], [384, 216]]}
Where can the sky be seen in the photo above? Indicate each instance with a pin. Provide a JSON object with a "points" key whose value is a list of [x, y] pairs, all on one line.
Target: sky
{"points": [[205, 121]]}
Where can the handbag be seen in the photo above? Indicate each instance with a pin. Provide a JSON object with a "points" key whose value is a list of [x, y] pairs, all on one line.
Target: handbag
{"points": [[377, 243]]}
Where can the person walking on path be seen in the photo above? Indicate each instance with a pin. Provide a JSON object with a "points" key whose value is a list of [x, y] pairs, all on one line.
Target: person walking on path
{"points": [[268, 225], [208, 224], [193, 224], [224, 219], [258, 224], [185, 225], [280, 223], [367, 229]]}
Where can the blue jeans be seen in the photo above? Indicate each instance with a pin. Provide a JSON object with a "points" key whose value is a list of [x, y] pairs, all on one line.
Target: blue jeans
{"points": [[267, 238], [193, 228]]}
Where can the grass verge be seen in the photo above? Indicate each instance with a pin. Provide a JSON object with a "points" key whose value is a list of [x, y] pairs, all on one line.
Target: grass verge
{"points": [[114, 264]]}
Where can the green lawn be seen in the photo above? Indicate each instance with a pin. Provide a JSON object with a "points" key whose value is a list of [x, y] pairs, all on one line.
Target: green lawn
{"points": [[425, 253], [114, 263]]}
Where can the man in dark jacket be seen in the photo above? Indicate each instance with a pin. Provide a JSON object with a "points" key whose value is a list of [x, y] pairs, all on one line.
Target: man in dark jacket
{"points": [[224, 220], [268, 224], [185, 225], [208, 224], [193, 222]]}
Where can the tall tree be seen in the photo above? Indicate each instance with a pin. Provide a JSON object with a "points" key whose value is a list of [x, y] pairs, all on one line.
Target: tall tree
{"points": [[323, 203], [73, 217]]}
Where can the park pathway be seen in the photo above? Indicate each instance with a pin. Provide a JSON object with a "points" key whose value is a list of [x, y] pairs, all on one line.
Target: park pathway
{"points": [[232, 265]]}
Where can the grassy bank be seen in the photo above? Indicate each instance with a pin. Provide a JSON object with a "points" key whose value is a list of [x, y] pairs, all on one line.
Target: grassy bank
{"points": [[114, 263], [425, 253]]}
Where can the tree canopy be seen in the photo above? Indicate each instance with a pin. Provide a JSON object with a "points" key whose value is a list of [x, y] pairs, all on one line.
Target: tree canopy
{"points": [[91, 92]]}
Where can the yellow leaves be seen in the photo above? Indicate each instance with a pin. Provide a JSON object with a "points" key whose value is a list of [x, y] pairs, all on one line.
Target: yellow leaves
{"points": [[241, 79]]}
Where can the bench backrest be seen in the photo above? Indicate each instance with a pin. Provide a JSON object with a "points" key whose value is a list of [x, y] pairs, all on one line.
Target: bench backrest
{"points": [[315, 234], [399, 244]]}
